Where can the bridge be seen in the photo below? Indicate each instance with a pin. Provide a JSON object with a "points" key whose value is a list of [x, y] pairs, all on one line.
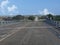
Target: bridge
{"points": [[29, 33]]}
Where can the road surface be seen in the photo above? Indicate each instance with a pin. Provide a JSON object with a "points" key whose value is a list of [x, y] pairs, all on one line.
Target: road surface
{"points": [[34, 33]]}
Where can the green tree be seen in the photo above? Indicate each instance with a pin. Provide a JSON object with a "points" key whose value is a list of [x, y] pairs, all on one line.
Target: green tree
{"points": [[50, 16], [18, 17], [31, 18], [57, 18]]}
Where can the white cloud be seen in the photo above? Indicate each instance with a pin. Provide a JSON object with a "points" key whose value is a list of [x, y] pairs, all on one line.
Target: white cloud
{"points": [[45, 12], [6, 9], [12, 8], [4, 3]]}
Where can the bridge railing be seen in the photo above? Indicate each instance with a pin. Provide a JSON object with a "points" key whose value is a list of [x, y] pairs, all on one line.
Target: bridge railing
{"points": [[53, 22], [2, 23]]}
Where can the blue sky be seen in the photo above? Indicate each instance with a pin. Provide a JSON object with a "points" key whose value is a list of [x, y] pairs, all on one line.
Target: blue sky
{"points": [[26, 7]]}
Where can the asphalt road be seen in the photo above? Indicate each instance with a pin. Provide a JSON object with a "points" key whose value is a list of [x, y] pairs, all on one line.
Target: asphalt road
{"points": [[34, 33]]}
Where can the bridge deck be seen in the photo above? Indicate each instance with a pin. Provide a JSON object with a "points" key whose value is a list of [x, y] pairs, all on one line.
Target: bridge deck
{"points": [[34, 33]]}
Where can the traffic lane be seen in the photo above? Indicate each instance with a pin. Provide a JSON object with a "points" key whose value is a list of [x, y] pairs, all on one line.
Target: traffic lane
{"points": [[52, 38], [14, 39], [41, 36], [32, 36], [38, 37]]}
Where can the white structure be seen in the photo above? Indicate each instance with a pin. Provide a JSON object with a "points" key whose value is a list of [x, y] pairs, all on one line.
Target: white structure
{"points": [[36, 18]]}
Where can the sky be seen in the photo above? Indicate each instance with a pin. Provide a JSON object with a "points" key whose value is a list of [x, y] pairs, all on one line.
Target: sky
{"points": [[29, 7]]}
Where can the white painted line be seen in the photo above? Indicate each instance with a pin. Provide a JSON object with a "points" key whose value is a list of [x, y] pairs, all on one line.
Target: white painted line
{"points": [[36, 27]]}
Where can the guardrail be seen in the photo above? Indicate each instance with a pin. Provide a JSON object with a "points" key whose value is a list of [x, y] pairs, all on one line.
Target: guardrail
{"points": [[53, 23], [2, 23]]}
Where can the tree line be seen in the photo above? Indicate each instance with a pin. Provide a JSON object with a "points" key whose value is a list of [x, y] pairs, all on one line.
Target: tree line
{"points": [[20, 17]]}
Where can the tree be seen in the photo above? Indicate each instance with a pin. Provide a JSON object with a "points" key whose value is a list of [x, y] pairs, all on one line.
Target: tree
{"points": [[57, 18], [31, 18], [50, 16], [18, 17]]}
